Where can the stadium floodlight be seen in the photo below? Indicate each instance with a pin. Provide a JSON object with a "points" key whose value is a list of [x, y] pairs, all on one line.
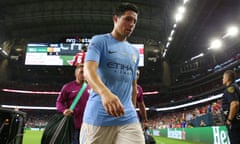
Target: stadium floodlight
{"points": [[164, 53], [175, 25], [172, 32], [215, 44], [185, 1], [181, 9], [178, 17], [232, 31], [168, 43]]}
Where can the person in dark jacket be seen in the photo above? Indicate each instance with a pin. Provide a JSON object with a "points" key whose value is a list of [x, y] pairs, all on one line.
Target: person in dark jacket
{"points": [[230, 106]]}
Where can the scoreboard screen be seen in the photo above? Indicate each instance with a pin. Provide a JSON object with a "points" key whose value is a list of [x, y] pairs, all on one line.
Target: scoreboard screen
{"points": [[61, 54]]}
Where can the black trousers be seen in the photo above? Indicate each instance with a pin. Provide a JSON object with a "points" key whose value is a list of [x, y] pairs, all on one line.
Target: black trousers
{"points": [[233, 132]]}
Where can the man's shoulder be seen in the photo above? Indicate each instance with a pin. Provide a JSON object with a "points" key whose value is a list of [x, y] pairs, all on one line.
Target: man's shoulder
{"points": [[100, 36], [98, 40], [233, 88]]}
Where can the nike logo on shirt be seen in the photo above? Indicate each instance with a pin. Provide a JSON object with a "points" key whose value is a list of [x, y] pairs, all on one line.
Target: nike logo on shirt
{"points": [[74, 91], [111, 52]]}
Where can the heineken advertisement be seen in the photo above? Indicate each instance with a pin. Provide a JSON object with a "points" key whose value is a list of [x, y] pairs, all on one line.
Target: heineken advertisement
{"points": [[208, 135]]}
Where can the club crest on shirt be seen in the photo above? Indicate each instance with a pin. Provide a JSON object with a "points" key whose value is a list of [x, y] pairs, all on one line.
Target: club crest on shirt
{"points": [[134, 57], [231, 89]]}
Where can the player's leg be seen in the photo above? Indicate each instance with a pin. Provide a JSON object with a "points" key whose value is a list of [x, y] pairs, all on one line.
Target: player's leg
{"points": [[130, 134], [97, 134]]}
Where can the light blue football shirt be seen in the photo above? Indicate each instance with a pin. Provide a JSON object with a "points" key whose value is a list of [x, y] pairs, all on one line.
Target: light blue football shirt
{"points": [[118, 62]]}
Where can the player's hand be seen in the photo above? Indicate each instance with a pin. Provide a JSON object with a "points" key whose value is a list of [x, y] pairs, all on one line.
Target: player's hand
{"points": [[112, 104], [229, 123], [145, 123], [67, 112]]}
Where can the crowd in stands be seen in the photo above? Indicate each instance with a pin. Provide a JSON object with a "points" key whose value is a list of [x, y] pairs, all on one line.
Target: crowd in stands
{"points": [[184, 118], [38, 119], [178, 119]]}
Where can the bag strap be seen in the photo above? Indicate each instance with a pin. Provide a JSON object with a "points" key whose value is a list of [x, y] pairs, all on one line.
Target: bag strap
{"points": [[76, 99]]}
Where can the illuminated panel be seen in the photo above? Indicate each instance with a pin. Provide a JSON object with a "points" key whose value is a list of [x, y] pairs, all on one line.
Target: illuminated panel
{"points": [[61, 54]]}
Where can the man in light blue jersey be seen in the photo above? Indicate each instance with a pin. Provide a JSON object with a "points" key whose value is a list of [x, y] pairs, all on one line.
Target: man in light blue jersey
{"points": [[110, 69]]}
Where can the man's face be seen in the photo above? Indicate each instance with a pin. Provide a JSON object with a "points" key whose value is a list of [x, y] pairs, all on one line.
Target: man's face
{"points": [[225, 79], [126, 23], [79, 74]]}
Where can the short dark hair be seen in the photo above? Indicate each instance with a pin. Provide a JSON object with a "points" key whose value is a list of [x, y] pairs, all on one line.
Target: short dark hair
{"points": [[231, 74], [78, 66], [123, 7]]}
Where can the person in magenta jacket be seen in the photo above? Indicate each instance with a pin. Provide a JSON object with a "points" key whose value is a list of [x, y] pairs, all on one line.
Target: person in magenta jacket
{"points": [[68, 92]]}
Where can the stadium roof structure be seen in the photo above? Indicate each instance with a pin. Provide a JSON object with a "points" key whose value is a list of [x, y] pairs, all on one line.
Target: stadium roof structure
{"points": [[54, 20]]}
